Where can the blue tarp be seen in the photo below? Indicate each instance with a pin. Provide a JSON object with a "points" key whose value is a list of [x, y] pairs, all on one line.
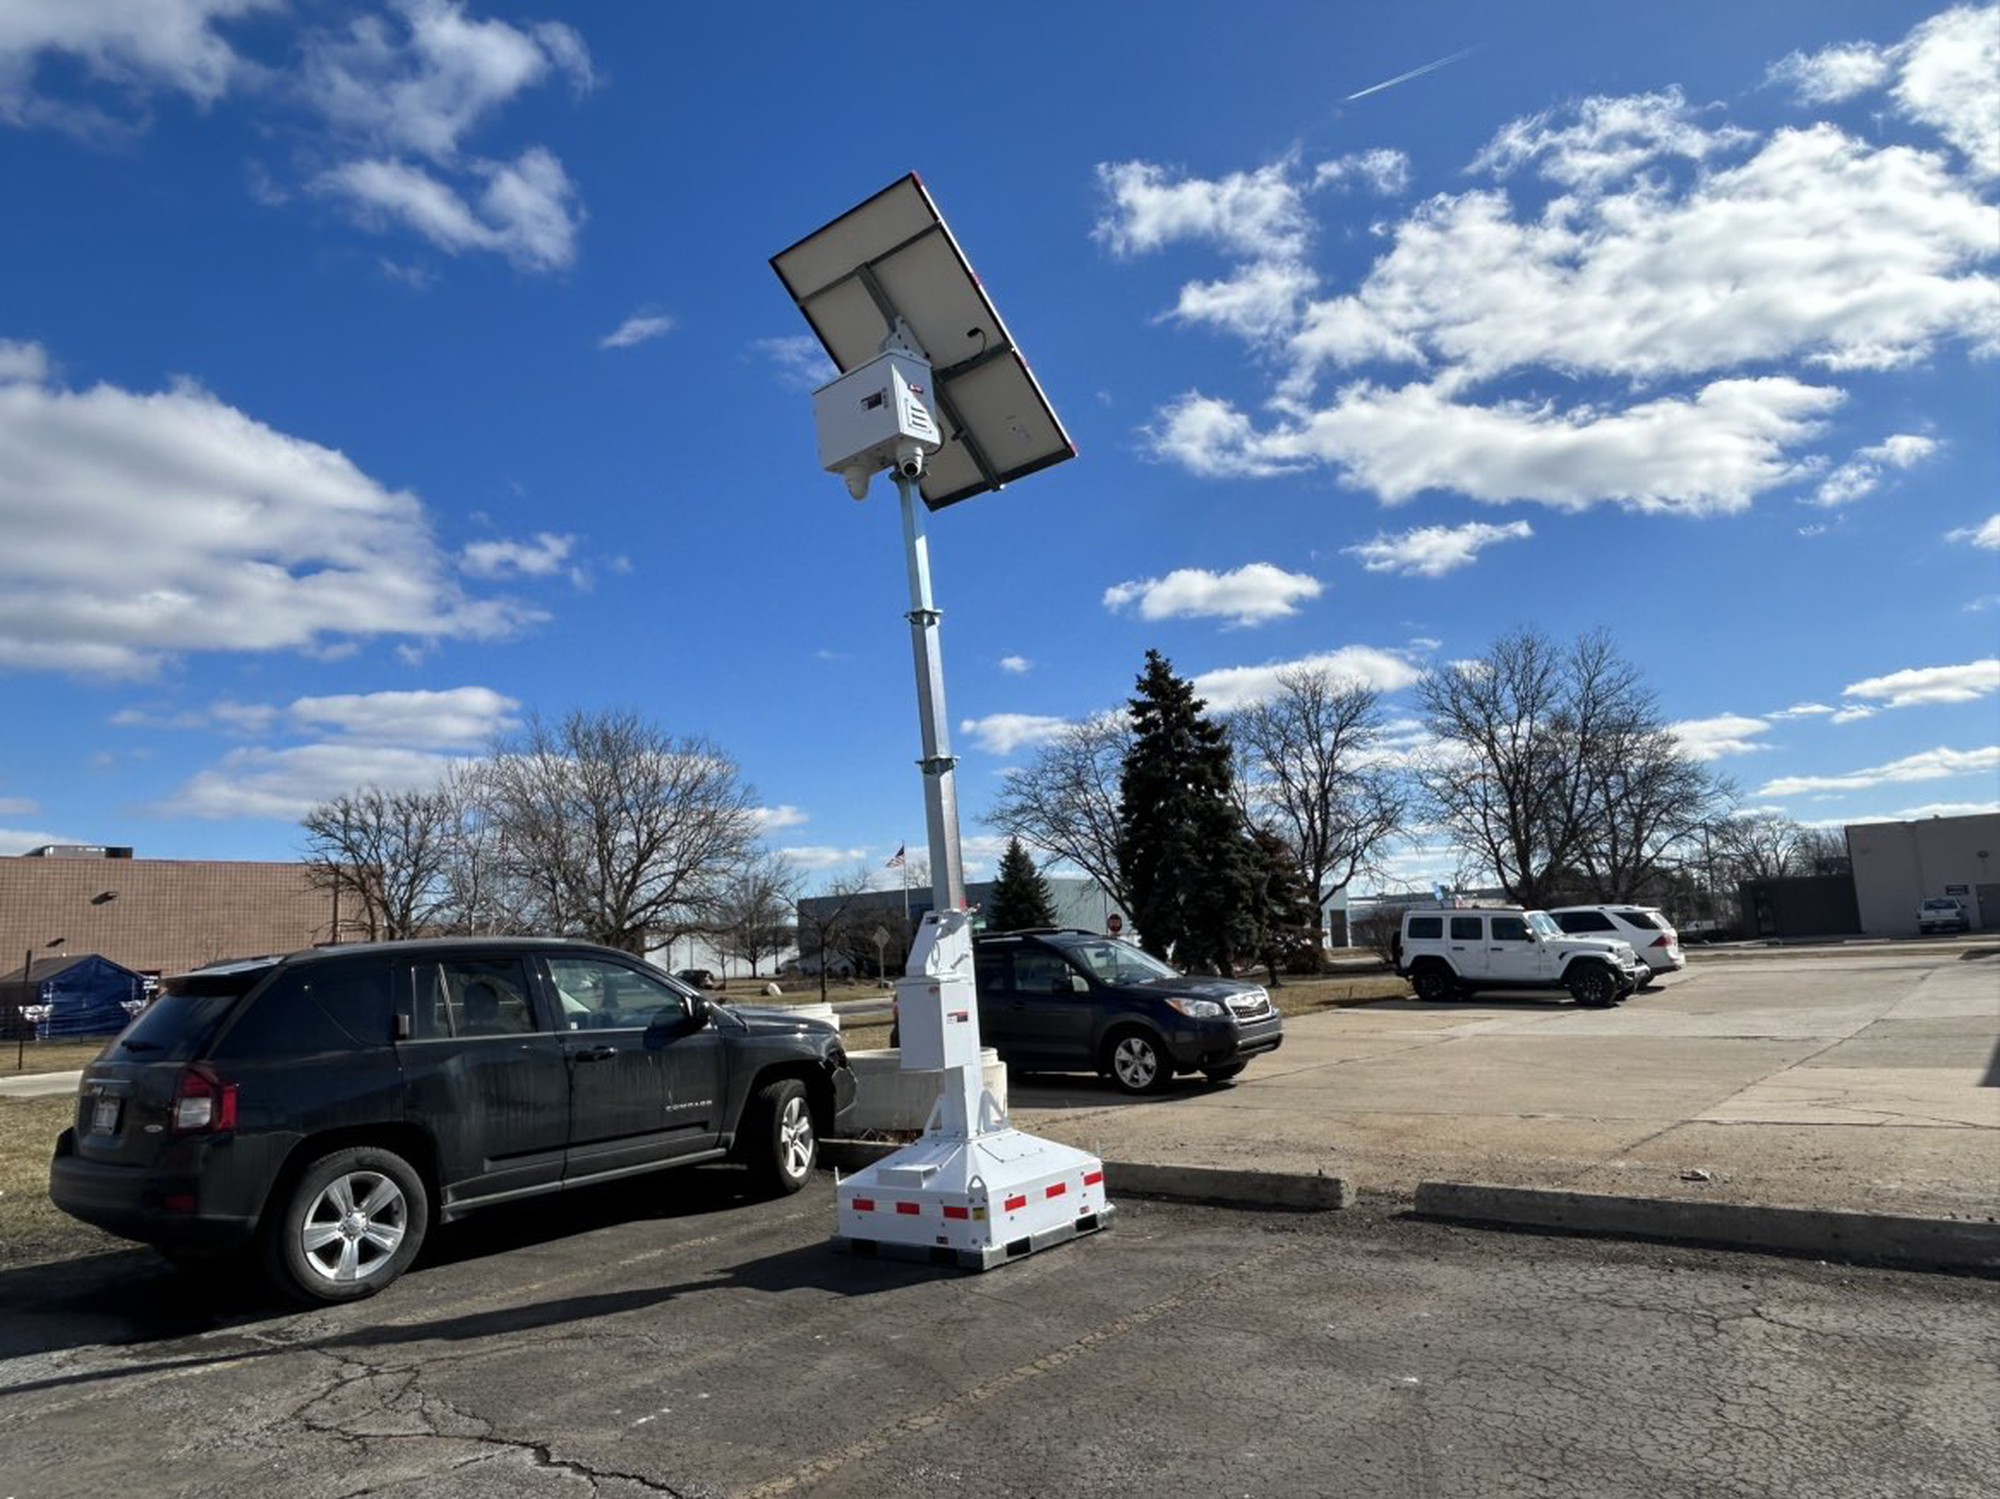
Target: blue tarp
{"points": [[84, 996]]}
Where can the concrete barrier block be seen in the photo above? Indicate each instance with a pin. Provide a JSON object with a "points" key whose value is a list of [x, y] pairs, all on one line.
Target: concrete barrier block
{"points": [[1933, 1243], [888, 1097]]}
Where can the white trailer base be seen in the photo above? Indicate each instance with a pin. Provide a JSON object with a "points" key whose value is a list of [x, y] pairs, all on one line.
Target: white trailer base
{"points": [[972, 1202]]}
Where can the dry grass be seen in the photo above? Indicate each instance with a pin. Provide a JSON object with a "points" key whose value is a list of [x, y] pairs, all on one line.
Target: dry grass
{"points": [[32, 1228], [48, 1056]]}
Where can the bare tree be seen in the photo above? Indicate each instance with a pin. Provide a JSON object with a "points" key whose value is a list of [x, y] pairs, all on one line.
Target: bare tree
{"points": [[1065, 801], [387, 852], [1766, 846], [614, 831], [1646, 798], [1313, 769], [1553, 770], [829, 924], [753, 914]]}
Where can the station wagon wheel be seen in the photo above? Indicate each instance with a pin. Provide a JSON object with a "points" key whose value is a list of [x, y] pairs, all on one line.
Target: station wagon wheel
{"points": [[1136, 1063], [352, 1222], [782, 1146]]}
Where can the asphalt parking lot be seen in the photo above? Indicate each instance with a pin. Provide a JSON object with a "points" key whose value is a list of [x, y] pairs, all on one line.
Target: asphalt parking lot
{"points": [[716, 1346]]}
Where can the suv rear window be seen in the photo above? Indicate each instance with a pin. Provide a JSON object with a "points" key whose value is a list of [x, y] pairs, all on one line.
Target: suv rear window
{"points": [[175, 1027], [1644, 919], [1583, 921]]}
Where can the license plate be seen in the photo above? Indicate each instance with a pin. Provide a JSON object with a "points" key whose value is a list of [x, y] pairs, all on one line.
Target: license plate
{"points": [[104, 1117]]}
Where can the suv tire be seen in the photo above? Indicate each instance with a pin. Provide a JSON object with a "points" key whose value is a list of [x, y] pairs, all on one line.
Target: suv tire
{"points": [[782, 1147], [348, 1225], [1136, 1064], [1593, 985], [1434, 982]]}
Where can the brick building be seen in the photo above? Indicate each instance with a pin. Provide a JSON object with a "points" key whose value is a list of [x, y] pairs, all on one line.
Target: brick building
{"points": [[154, 916]]}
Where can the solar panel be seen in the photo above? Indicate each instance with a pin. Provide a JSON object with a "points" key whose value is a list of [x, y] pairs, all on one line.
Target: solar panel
{"points": [[894, 257]]}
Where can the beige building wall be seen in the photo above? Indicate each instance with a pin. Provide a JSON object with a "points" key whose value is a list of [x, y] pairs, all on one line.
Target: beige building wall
{"points": [[1897, 864], [157, 916]]}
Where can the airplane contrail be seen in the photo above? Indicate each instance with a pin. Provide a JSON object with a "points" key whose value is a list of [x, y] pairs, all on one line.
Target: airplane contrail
{"points": [[1429, 67]]}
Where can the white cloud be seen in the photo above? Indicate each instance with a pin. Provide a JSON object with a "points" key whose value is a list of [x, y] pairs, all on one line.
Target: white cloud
{"points": [[1801, 710], [1707, 455], [1938, 809], [18, 806], [252, 540], [770, 819], [540, 558], [1930, 765], [1003, 733], [1948, 66], [23, 362], [1600, 140], [1433, 551], [1986, 534], [637, 329], [525, 212], [285, 784], [454, 718], [1250, 595], [1383, 171], [801, 362], [1862, 473], [1232, 687], [1932, 684], [134, 46], [423, 86], [1258, 215], [1683, 259], [1725, 734], [822, 856], [1833, 74], [1016, 665]]}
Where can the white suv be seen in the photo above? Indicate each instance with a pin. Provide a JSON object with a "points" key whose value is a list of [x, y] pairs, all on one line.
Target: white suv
{"points": [[1942, 913], [1452, 952], [1645, 927]]}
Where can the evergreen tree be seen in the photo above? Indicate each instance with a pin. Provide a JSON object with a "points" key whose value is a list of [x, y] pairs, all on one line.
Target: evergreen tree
{"points": [[1183, 856], [1286, 917], [1020, 894]]}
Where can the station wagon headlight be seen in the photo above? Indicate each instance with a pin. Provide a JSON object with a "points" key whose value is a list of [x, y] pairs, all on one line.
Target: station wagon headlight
{"points": [[1198, 1009]]}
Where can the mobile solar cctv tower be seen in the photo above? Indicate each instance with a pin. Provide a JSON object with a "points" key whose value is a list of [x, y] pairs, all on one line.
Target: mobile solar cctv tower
{"points": [[933, 391]]}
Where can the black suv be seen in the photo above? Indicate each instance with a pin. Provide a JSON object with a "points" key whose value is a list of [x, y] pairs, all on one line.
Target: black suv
{"points": [[1070, 1001], [324, 1109]]}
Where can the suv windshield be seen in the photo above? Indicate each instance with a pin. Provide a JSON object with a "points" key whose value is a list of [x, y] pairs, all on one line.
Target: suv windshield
{"points": [[1543, 924], [1113, 962]]}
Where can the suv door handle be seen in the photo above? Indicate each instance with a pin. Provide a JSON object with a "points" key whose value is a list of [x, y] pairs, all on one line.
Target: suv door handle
{"points": [[597, 1054]]}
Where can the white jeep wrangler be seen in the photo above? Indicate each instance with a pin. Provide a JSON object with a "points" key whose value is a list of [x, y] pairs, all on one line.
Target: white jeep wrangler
{"points": [[1452, 952]]}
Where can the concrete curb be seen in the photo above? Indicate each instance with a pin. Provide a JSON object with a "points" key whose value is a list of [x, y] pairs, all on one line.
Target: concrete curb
{"points": [[1216, 1185], [1930, 1243]]}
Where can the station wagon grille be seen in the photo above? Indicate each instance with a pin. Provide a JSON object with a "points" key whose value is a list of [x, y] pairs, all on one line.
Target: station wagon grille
{"points": [[1250, 1006]]}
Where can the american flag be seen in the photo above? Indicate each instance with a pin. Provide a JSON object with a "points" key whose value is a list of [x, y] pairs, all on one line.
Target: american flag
{"points": [[897, 861]]}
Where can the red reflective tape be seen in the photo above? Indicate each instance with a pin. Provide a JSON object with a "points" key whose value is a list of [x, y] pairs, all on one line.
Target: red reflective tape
{"points": [[1012, 1204], [864, 1204], [1092, 1178], [1057, 1190], [951, 1212], [910, 1208]]}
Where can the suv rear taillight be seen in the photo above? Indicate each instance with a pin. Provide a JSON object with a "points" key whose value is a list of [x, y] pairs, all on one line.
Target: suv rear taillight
{"points": [[1663, 940], [203, 1103]]}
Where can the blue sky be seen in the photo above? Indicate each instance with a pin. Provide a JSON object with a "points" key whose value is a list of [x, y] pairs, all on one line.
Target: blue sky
{"points": [[374, 374]]}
